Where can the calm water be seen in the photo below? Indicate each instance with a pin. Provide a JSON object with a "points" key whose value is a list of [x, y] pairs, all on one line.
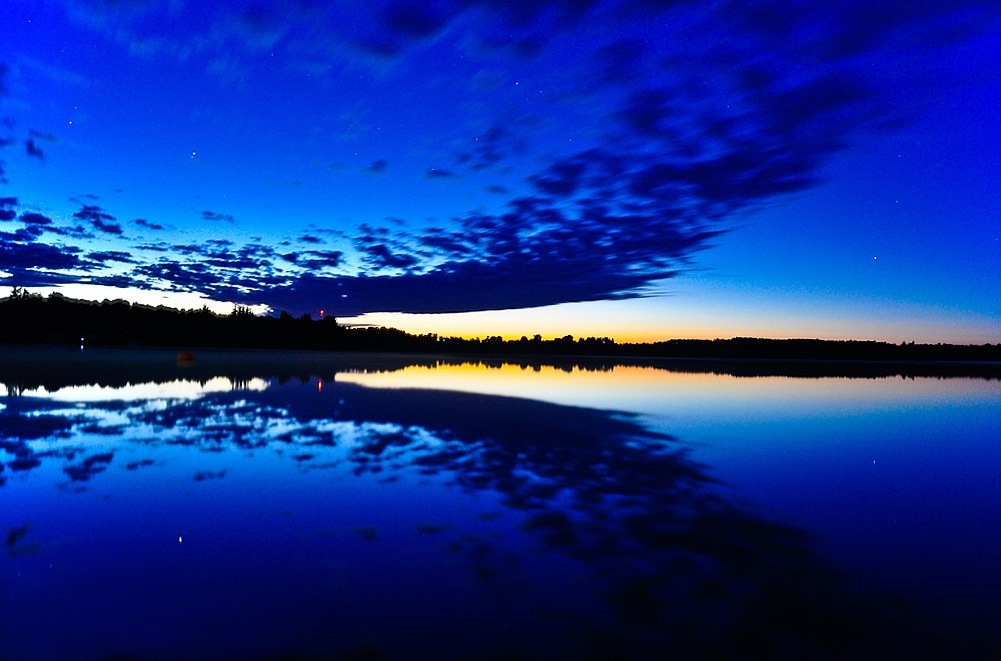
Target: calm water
{"points": [[276, 505]]}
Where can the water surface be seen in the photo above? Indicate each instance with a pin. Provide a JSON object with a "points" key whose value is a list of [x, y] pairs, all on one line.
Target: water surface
{"points": [[261, 505]]}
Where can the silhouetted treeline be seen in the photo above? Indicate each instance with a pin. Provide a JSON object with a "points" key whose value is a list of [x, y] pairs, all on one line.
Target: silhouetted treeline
{"points": [[802, 349], [31, 319]]}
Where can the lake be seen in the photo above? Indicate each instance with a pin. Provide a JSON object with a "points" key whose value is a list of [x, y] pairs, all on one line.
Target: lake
{"points": [[299, 505]]}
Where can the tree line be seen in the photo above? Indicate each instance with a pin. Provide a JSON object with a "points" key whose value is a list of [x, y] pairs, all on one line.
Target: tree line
{"points": [[32, 319]]}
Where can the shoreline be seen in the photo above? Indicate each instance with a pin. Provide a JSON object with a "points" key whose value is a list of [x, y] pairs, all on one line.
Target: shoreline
{"points": [[26, 367]]}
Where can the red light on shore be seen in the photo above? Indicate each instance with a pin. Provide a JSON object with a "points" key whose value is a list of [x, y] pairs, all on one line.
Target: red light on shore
{"points": [[319, 385], [321, 314]]}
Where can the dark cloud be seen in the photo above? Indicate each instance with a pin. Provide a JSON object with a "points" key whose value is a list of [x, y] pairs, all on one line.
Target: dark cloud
{"points": [[28, 259], [182, 277], [410, 18], [490, 148], [93, 212], [111, 256], [314, 260], [438, 173], [8, 206], [621, 62], [41, 135], [400, 24], [154, 247], [217, 256], [309, 238], [262, 24], [142, 222], [445, 241], [218, 217], [32, 149], [107, 228], [29, 233], [35, 219], [379, 256], [73, 232], [189, 249], [377, 166], [99, 219], [7, 142]]}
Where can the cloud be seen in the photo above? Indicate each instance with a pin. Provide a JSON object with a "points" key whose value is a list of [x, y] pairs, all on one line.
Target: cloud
{"points": [[107, 228], [57, 74], [218, 217], [400, 24], [32, 149], [412, 19], [99, 219], [216, 256], [438, 173], [8, 206], [111, 256], [314, 260], [34, 263], [490, 148], [92, 213], [47, 137], [142, 222], [377, 166], [181, 277], [379, 256], [73, 232], [309, 238], [262, 24], [154, 247], [35, 219]]}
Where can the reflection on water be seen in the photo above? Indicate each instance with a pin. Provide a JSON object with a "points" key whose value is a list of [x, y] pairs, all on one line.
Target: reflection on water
{"points": [[178, 388], [277, 504]]}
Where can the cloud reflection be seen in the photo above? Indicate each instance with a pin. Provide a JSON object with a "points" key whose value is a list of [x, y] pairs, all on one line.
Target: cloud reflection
{"points": [[675, 563]]}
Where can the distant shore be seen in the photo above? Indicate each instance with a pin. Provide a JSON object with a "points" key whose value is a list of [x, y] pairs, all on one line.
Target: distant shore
{"points": [[25, 368], [30, 320]]}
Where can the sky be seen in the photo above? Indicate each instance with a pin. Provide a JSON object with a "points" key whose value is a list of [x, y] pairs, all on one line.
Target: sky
{"points": [[639, 169]]}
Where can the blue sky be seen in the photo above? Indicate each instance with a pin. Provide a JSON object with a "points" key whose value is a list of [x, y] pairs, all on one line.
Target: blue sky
{"points": [[642, 169]]}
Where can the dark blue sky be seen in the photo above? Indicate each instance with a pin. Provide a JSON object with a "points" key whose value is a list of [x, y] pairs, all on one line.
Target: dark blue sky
{"points": [[643, 169]]}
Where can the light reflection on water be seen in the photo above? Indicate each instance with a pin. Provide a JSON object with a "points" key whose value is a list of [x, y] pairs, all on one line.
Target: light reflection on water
{"points": [[178, 388], [484, 511]]}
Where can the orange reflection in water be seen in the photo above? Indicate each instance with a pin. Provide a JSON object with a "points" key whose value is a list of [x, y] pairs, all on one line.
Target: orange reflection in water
{"points": [[657, 390]]}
